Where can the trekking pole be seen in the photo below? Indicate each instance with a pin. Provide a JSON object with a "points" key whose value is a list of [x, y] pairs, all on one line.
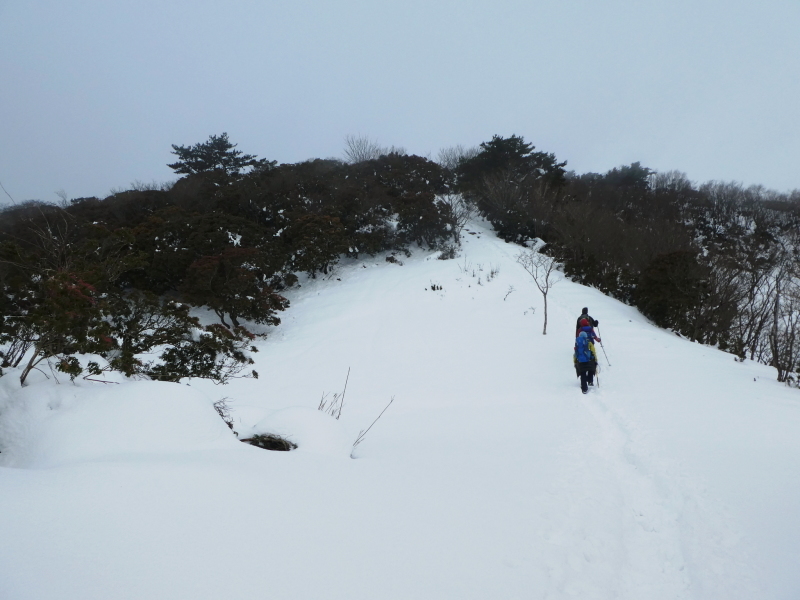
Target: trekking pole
{"points": [[597, 374], [604, 353], [604, 349]]}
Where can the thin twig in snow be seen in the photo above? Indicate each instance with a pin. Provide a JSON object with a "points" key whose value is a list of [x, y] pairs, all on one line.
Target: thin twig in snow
{"points": [[361, 435]]}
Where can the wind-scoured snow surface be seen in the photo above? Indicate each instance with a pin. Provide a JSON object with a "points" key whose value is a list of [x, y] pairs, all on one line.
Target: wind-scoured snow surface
{"points": [[490, 476]]}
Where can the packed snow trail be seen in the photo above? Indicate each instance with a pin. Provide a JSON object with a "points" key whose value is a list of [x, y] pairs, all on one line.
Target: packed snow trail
{"points": [[490, 476]]}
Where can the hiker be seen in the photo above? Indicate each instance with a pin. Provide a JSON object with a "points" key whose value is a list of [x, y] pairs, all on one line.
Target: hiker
{"points": [[583, 326], [585, 315], [585, 360]]}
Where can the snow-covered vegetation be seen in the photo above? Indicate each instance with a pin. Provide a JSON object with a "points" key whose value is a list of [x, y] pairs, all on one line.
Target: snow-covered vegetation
{"points": [[490, 476], [122, 277]]}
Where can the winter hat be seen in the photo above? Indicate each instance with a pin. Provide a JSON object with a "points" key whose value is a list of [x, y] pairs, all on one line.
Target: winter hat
{"points": [[584, 323], [585, 311]]}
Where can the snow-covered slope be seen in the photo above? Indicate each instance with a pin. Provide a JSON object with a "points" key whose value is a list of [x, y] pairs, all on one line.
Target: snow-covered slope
{"points": [[490, 476]]}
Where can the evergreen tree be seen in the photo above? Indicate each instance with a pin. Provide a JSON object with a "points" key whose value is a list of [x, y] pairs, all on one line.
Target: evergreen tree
{"points": [[635, 176], [217, 154], [506, 180], [514, 156]]}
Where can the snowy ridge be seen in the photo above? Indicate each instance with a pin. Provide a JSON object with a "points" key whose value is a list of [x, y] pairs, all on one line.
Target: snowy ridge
{"points": [[491, 475]]}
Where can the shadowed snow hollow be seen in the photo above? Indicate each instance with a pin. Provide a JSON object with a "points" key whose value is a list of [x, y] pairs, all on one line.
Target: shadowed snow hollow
{"points": [[311, 429]]}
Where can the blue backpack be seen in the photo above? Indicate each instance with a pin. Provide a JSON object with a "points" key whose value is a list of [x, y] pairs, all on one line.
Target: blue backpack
{"points": [[583, 353]]}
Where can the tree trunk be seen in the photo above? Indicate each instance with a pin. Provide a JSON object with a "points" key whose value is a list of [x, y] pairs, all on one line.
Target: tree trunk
{"points": [[544, 331], [30, 366], [773, 336], [221, 315]]}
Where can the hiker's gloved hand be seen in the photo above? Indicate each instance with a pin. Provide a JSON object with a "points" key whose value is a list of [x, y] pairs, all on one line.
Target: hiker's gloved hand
{"points": [[596, 323]]}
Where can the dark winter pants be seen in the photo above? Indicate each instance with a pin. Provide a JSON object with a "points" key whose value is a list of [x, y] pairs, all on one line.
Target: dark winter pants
{"points": [[586, 371]]}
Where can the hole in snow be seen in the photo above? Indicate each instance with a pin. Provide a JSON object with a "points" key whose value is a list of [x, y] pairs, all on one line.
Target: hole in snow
{"points": [[271, 442]]}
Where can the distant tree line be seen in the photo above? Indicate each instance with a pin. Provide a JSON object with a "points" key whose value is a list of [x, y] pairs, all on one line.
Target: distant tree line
{"points": [[116, 278]]}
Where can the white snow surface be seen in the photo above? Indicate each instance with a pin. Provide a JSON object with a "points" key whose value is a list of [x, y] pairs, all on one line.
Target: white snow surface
{"points": [[490, 476]]}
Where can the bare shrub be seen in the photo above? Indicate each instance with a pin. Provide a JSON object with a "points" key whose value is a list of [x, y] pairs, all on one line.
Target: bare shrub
{"points": [[494, 271], [152, 186], [333, 406], [460, 211], [784, 334], [544, 271], [224, 411], [447, 252], [453, 156], [360, 148]]}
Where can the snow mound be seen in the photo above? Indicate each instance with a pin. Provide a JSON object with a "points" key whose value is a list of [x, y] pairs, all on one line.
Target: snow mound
{"points": [[311, 429], [45, 425]]}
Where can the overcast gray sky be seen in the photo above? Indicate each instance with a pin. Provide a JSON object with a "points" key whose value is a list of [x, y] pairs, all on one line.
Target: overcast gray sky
{"points": [[94, 92]]}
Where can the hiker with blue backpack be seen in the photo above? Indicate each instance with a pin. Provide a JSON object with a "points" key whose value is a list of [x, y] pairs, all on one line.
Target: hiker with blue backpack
{"points": [[585, 360]]}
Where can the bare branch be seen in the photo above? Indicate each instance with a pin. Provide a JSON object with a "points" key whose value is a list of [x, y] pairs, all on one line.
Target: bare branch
{"points": [[364, 432], [7, 194]]}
